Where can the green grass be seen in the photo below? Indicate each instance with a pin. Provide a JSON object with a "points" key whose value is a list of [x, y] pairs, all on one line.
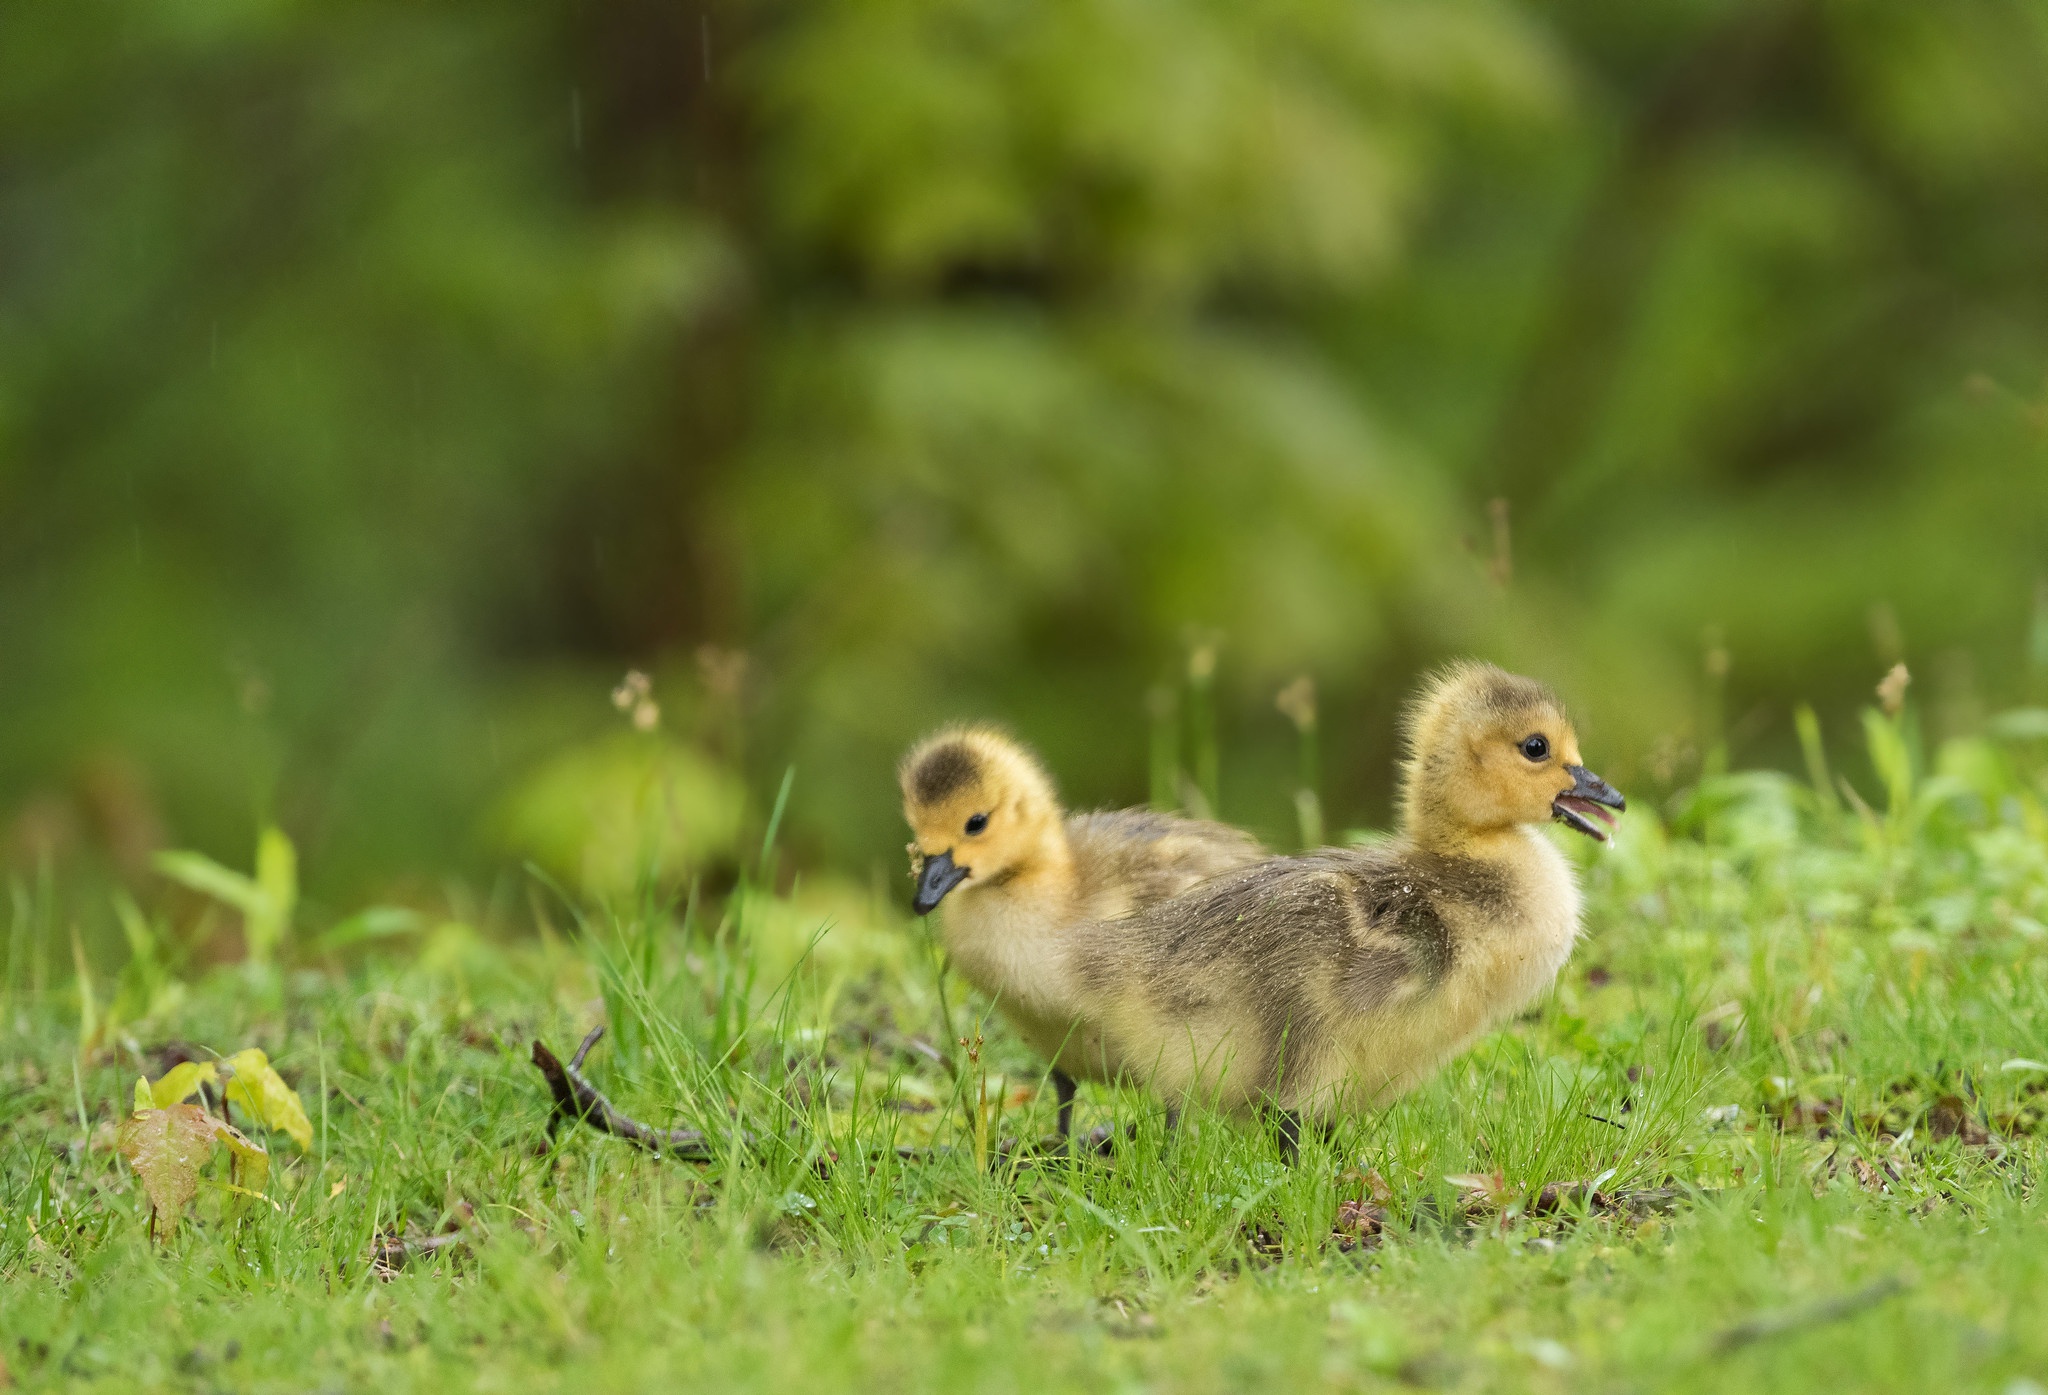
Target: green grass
{"points": [[1793, 1048]]}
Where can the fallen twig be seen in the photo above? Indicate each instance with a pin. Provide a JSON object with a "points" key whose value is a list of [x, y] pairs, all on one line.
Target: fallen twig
{"points": [[577, 1100], [1765, 1325], [390, 1254]]}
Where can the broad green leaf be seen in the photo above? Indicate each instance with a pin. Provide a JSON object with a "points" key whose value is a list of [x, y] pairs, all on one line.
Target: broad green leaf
{"points": [[376, 923], [181, 1082], [277, 877], [1808, 725], [260, 1090], [1890, 758], [2022, 724], [143, 1099], [167, 1147], [204, 875], [266, 901]]}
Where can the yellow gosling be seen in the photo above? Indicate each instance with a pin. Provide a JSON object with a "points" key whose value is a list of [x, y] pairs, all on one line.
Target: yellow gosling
{"points": [[1340, 979], [1014, 872]]}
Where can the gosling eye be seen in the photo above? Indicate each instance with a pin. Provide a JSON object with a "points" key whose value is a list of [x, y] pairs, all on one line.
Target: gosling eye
{"points": [[1536, 747], [976, 824]]}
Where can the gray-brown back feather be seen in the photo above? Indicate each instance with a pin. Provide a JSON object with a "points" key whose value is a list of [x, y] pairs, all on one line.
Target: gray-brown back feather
{"points": [[1128, 859], [1301, 940]]}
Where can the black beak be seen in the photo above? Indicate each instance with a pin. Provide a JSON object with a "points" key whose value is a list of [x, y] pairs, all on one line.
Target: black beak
{"points": [[1589, 795], [938, 877]]}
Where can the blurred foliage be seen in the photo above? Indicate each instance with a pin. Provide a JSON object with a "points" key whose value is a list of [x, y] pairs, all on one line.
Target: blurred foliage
{"points": [[605, 815], [265, 901], [378, 382]]}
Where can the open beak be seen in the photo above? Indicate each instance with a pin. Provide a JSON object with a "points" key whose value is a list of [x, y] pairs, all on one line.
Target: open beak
{"points": [[1589, 798], [938, 876]]}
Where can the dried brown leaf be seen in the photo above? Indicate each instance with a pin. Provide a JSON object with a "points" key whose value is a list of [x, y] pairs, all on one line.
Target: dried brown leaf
{"points": [[1369, 1185], [1952, 1117], [1359, 1225], [1481, 1188]]}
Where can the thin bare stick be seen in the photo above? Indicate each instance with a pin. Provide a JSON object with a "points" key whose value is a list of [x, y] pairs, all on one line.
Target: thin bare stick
{"points": [[577, 1100]]}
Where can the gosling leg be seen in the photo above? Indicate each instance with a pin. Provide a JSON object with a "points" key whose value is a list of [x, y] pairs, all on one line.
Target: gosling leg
{"points": [[1289, 1134], [1063, 1087]]}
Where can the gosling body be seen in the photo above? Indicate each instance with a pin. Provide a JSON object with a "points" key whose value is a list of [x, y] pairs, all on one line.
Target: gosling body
{"points": [[1016, 873], [1340, 979]]}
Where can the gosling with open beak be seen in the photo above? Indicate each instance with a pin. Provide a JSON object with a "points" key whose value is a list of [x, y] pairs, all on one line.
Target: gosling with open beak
{"points": [[1589, 796]]}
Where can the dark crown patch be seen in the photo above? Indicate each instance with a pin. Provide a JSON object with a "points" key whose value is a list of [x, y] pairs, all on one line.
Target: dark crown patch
{"points": [[942, 770], [1509, 694]]}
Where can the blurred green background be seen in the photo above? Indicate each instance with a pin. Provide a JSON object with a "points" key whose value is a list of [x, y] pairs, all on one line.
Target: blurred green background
{"points": [[379, 383]]}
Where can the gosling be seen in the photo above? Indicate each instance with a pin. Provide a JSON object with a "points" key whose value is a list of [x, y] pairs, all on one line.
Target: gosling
{"points": [[1340, 979], [1017, 873]]}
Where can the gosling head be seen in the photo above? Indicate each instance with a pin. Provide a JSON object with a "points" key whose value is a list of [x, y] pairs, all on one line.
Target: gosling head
{"points": [[1488, 750], [981, 810]]}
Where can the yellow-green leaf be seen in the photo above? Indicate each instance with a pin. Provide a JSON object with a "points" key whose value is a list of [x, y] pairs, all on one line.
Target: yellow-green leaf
{"points": [[182, 1082], [248, 1165], [166, 1147], [261, 1091], [142, 1096]]}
